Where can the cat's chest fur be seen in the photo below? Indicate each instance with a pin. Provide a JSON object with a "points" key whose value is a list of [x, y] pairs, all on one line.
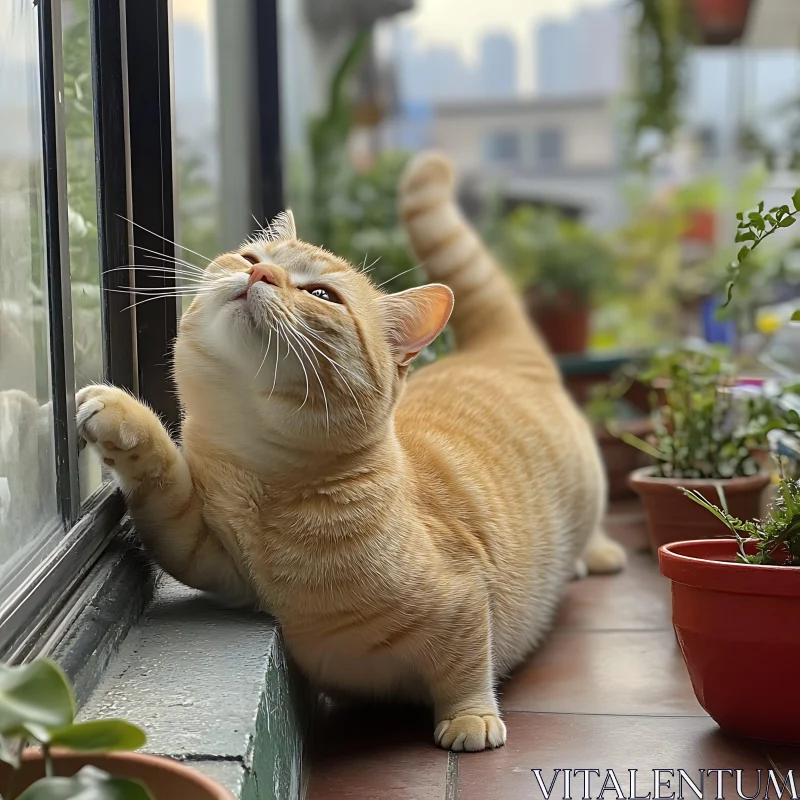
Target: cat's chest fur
{"points": [[326, 559], [306, 544]]}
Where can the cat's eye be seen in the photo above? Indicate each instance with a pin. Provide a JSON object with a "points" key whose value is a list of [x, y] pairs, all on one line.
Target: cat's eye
{"points": [[325, 294], [249, 257]]}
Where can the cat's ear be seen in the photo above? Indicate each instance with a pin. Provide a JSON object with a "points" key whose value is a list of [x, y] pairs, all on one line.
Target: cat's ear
{"points": [[283, 226], [414, 318]]}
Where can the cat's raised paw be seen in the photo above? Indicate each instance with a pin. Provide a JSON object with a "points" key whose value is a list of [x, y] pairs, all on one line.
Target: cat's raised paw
{"points": [[122, 429], [470, 733]]}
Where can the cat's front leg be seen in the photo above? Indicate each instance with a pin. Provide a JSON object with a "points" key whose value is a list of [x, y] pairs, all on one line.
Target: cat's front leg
{"points": [[162, 496], [462, 686]]}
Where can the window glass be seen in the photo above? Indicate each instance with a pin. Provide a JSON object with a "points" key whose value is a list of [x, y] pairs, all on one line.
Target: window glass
{"points": [[213, 107], [550, 147], [503, 147], [82, 205], [27, 463]]}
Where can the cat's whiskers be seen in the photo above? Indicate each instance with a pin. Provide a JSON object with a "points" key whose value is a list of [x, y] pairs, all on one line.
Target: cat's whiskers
{"points": [[186, 276], [332, 361], [344, 380], [168, 296], [174, 259], [298, 339], [399, 275], [302, 365], [369, 269], [164, 239]]}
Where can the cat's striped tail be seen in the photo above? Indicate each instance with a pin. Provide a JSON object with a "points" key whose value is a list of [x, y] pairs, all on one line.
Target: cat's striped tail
{"points": [[487, 308]]}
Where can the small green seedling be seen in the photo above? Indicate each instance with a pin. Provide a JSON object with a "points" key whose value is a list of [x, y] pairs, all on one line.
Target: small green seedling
{"points": [[37, 707]]}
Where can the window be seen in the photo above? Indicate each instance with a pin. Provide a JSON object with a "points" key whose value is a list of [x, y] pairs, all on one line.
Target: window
{"points": [[213, 146], [84, 261], [28, 508], [502, 148], [86, 193], [549, 143], [708, 140]]}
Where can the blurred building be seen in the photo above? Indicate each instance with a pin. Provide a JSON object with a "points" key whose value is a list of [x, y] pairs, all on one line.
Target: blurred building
{"points": [[582, 55], [497, 66], [554, 151], [430, 74]]}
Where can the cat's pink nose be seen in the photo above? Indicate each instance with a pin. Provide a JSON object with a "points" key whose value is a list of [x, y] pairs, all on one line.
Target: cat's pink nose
{"points": [[263, 272]]}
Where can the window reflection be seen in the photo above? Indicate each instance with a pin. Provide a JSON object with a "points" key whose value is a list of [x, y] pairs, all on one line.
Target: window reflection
{"points": [[82, 205], [27, 463]]}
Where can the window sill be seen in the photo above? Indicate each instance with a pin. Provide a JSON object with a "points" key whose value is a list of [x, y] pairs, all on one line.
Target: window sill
{"points": [[211, 687]]}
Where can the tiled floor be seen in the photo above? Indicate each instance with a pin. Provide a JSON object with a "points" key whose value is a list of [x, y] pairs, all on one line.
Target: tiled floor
{"points": [[608, 690]]}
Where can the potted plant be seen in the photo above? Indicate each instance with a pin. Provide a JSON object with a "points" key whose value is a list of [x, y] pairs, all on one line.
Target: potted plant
{"points": [[613, 412], [46, 755], [707, 437], [735, 607], [561, 266]]}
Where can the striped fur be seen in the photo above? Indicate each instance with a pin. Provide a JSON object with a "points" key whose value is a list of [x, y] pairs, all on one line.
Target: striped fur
{"points": [[414, 537]]}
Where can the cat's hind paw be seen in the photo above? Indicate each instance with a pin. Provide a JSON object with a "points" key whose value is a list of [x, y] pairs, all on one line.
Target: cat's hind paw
{"points": [[470, 733], [604, 555]]}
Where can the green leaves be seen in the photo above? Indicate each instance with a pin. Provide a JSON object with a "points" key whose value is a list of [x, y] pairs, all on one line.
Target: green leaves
{"points": [[36, 703], [703, 427], [99, 736], [753, 230], [774, 540], [34, 699], [88, 784]]}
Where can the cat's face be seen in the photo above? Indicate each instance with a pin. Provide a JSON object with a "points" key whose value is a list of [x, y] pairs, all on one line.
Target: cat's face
{"points": [[303, 339]]}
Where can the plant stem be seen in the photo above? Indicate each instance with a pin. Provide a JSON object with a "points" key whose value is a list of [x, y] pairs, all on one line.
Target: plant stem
{"points": [[48, 761]]}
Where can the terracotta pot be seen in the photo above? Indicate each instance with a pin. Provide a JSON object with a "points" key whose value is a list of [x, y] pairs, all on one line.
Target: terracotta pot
{"points": [[701, 227], [563, 322], [673, 517], [640, 395], [735, 622], [720, 22], [620, 459], [165, 778]]}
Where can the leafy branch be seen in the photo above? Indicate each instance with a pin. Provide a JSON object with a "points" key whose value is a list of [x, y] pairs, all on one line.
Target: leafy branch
{"points": [[753, 230]]}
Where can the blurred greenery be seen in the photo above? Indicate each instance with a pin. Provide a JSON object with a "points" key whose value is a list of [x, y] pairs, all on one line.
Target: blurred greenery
{"points": [[557, 256], [704, 429], [662, 34]]}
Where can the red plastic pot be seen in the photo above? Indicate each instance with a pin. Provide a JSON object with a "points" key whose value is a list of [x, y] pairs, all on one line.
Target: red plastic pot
{"points": [[164, 777], [720, 22], [737, 626], [673, 517]]}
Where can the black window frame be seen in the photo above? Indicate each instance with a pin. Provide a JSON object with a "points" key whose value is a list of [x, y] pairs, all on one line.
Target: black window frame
{"points": [[131, 61]]}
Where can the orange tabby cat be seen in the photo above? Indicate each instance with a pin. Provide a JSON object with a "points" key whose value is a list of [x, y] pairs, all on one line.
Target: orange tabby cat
{"points": [[412, 540]]}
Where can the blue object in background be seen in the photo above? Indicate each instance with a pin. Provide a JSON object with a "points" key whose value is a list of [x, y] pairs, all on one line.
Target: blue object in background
{"points": [[716, 331]]}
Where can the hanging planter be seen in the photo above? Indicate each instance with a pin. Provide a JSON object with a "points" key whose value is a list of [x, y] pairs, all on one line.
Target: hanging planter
{"points": [[720, 22]]}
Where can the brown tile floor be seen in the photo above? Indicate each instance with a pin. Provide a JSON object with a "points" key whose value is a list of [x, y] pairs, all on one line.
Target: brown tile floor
{"points": [[608, 690]]}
